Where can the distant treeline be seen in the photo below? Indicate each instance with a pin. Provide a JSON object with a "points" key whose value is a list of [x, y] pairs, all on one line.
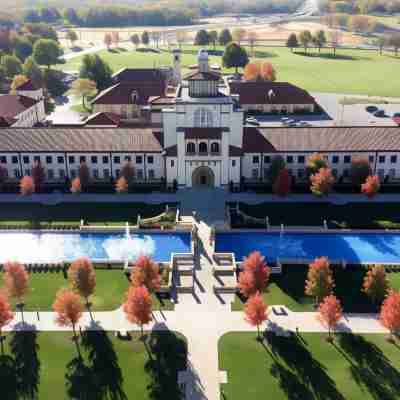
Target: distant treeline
{"points": [[162, 13], [361, 6]]}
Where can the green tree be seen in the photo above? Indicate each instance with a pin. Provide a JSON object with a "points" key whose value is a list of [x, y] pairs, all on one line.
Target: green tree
{"points": [[292, 42], [305, 38], [202, 38], [225, 37], [55, 86], [47, 52], [12, 65], [360, 170], [97, 70], [83, 88], [235, 56], [135, 39], [213, 37], [22, 48], [319, 39], [71, 36], [394, 41], [145, 38], [32, 71], [3, 75]]}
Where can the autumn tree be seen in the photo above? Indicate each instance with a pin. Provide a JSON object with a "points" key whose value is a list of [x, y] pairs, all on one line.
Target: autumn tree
{"points": [[108, 40], [251, 72], [305, 39], [69, 309], [394, 41], [259, 71], [83, 88], [360, 170], [26, 186], [146, 273], [135, 39], [292, 42], [252, 37], [138, 306], [6, 316], [256, 266], [84, 176], [16, 280], [121, 186], [376, 284], [128, 171], [319, 40], [371, 186], [330, 313], [38, 175], [319, 282], [115, 38], [322, 182], [256, 311], [390, 313], [315, 162], [283, 183], [17, 81], [82, 277], [76, 186], [267, 71]]}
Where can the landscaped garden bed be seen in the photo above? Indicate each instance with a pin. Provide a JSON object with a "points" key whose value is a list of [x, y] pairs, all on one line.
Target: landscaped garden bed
{"points": [[46, 365], [306, 367]]}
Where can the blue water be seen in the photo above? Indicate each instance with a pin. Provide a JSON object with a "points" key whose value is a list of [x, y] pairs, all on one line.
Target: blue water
{"points": [[57, 247], [352, 247]]}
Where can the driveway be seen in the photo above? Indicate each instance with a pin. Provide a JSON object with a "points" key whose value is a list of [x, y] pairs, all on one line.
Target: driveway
{"points": [[63, 114]]}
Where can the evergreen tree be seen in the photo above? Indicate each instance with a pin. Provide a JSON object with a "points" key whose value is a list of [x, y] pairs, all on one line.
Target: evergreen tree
{"points": [[225, 37], [202, 38], [145, 38], [235, 56], [292, 42]]}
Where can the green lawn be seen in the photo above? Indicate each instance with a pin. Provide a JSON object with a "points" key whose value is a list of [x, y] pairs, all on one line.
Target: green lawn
{"points": [[46, 366], [356, 367], [288, 289], [111, 286], [350, 215], [350, 72]]}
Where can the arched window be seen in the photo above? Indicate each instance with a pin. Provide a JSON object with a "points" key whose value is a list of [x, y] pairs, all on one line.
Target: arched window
{"points": [[203, 118], [203, 147], [214, 147], [190, 148]]}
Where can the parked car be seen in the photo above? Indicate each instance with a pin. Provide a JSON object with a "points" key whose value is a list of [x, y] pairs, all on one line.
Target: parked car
{"points": [[379, 114], [289, 122], [303, 123], [252, 120], [371, 109]]}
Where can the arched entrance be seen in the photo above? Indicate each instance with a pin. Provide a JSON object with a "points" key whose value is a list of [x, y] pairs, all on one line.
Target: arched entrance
{"points": [[203, 177]]}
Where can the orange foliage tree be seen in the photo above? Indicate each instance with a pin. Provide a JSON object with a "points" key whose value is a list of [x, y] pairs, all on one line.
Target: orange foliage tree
{"points": [[267, 71], [256, 311], [121, 185], [259, 71], [283, 183], [330, 312], [315, 162], [319, 282], [76, 186], [322, 182], [255, 266], [38, 174], [375, 284], [128, 171], [146, 273], [26, 186], [390, 312], [371, 186], [251, 71], [82, 276], [16, 279], [6, 315], [138, 306], [69, 308]]}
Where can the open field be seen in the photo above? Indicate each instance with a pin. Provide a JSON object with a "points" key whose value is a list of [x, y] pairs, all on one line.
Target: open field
{"points": [[288, 289], [350, 72], [46, 365], [306, 367]]}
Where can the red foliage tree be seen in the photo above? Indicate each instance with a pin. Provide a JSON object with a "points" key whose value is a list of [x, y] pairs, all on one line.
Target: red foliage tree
{"points": [[146, 273], [267, 71], [330, 312], [26, 186], [38, 174], [256, 311], [371, 186], [82, 277], [138, 306], [319, 283], [251, 71], [122, 185], [6, 315], [16, 279], [76, 186], [283, 183], [315, 162], [256, 266], [69, 308], [322, 182], [375, 284], [390, 312]]}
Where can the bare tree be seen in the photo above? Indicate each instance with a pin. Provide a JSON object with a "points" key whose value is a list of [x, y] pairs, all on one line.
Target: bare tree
{"points": [[336, 39]]}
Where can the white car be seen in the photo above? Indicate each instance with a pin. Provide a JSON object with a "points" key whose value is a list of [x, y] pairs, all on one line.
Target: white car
{"points": [[252, 120]]}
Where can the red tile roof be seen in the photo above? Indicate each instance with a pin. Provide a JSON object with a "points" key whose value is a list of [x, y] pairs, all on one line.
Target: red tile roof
{"points": [[266, 92], [103, 119], [203, 133], [121, 93], [11, 105]]}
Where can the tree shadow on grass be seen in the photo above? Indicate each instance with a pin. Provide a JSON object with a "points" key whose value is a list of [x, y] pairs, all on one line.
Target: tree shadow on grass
{"points": [[168, 357], [81, 382], [331, 56], [310, 372], [264, 54], [8, 378], [370, 367], [104, 365], [24, 348]]}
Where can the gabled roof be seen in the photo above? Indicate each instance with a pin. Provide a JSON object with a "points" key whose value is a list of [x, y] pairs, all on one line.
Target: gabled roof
{"points": [[235, 151], [203, 76], [103, 119], [267, 92], [138, 75], [11, 105], [121, 93], [27, 86], [171, 151], [7, 122], [203, 133]]}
